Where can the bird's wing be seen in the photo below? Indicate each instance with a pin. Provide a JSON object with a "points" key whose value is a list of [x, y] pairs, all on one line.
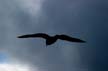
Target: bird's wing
{"points": [[42, 35], [68, 38]]}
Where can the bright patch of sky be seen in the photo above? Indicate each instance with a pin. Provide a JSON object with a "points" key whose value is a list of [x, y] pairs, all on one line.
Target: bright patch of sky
{"points": [[3, 58], [12, 67], [6, 65]]}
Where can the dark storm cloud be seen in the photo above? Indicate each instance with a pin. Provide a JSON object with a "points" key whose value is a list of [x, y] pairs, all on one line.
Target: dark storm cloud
{"points": [[86, 19], [79, 18]]}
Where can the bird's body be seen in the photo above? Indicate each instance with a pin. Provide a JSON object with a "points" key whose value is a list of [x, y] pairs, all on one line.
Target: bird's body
{"points": [[51, 39]]}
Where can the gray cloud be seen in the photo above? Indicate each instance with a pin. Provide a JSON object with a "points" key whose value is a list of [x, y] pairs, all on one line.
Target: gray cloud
{"points": [[83, 19]]}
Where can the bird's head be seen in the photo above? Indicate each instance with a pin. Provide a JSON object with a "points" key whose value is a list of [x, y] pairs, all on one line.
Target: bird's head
{"points": [[56, 36]]}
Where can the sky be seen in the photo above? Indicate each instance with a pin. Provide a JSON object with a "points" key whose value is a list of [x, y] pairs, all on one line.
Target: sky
{"points": [[85, 19]]}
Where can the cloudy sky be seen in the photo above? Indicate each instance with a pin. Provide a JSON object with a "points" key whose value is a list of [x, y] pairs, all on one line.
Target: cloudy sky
{"points": [[85, 19]]}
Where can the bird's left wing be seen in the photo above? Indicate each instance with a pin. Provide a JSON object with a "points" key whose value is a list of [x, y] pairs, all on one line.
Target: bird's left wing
{"points": [[71, 39], [41, 35]]}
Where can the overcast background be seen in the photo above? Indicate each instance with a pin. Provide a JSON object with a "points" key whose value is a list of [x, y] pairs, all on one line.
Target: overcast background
{"points": [[85, 19]]}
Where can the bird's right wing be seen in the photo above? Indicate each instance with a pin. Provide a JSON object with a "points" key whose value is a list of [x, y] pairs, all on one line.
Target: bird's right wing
{"points": [[68, 38], [41, 35]]}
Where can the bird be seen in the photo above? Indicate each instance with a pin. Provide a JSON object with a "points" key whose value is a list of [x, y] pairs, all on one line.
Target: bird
{"points": [[52, 39]]}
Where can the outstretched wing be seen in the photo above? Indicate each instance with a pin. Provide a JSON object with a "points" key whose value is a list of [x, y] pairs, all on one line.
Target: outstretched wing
{"points": [[41, 35], [71, 39]]}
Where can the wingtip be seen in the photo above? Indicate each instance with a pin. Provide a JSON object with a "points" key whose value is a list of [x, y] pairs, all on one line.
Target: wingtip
{"points": [[19, 36], [82, 41]]}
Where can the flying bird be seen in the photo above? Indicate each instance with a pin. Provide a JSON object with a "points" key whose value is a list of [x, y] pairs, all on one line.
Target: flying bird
{"points": [[52, 39]]}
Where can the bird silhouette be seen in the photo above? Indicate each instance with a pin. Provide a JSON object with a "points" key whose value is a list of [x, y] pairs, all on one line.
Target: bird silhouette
{"points": [[52, 39]]}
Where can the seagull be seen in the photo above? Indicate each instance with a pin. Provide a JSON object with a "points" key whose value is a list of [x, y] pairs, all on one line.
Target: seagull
{"points": [[52, 39]]}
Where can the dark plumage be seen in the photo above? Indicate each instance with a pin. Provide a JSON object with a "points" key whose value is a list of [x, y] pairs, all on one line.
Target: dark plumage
{"points": [[52, 39]]}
